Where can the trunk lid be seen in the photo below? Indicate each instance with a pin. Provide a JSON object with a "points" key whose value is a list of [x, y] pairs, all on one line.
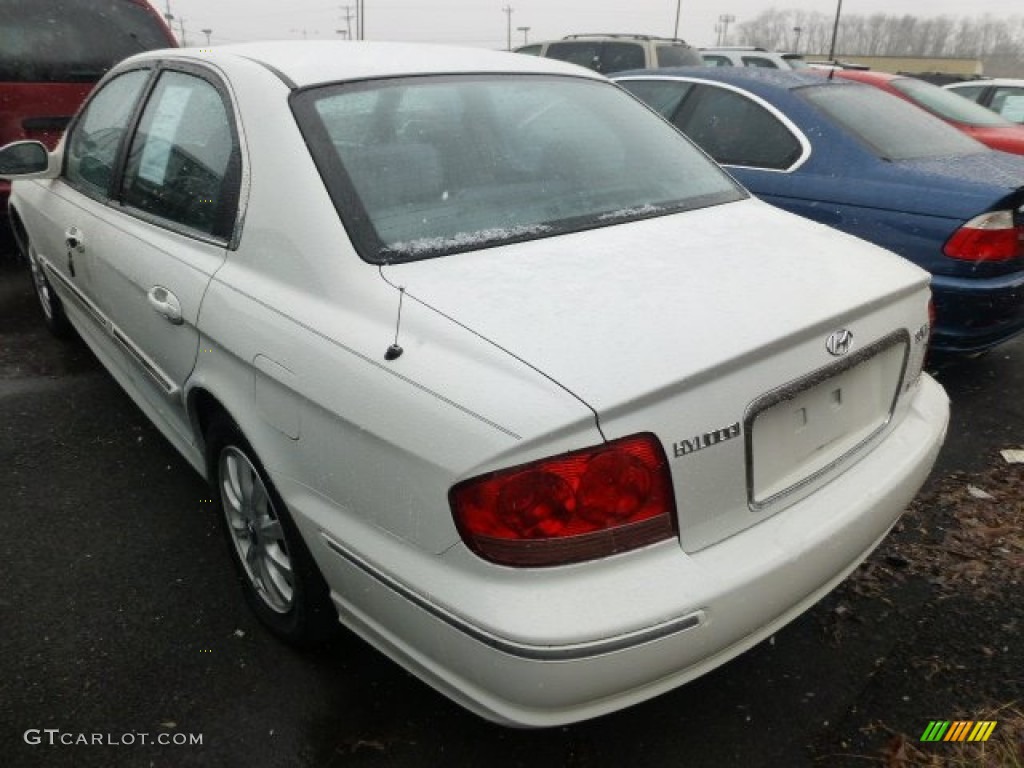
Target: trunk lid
{"points": [[695, 327]]}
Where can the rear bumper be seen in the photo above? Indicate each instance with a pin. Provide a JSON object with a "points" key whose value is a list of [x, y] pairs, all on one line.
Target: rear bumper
{"points": [[667, 617], [975, 314]]}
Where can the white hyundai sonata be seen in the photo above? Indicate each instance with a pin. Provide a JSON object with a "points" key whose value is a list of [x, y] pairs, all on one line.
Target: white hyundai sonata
{"points": [[484, 359]]}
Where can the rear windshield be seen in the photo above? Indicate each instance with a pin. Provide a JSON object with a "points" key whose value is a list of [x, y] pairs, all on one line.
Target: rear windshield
{"points": [[947, 104], [891, 127], [422, 167], [606, 57], [72, 41]]}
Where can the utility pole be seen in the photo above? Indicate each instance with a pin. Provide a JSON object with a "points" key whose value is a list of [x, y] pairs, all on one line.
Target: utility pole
{"points": [[507, 10], [725, 19], [525, 31], [181, 28], [207, 32], [835, 33], [348, 22], [169, 16]]}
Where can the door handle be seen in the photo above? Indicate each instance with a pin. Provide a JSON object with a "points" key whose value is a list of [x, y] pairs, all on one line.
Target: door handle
{"points": [[165, 303], [73, 239]]}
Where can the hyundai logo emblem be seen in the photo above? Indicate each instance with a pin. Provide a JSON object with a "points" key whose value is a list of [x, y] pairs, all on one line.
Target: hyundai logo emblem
{"points": [[839, 343]]}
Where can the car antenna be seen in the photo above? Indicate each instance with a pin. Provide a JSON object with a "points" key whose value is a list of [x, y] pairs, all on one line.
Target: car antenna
{"points": [[395, 350]]}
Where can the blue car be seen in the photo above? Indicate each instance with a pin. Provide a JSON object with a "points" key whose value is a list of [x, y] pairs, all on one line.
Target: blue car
{"points": [[858, 159]]}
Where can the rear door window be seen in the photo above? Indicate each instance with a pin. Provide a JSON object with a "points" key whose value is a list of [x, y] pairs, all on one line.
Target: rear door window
{"points": [[759, 61], [183, 161], [72, 41], [972, 92], [713, 60], [736, 130]]}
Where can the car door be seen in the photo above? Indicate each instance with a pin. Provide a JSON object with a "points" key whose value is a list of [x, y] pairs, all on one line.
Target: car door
{"points": [[79, 200], [172, 221]]}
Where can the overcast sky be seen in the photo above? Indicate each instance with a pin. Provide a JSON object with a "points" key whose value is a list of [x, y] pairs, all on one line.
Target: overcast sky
{"points": [[483, 22]]}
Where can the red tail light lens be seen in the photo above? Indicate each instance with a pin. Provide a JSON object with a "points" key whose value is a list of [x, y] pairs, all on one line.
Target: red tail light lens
{"points": [[989, 237], [577, 506]]}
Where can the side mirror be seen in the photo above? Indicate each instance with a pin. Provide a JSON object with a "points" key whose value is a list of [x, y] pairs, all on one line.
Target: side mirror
{"points": [[28, 160]]}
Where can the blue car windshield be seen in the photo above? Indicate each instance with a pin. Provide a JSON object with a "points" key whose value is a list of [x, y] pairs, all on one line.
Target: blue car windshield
{"points": [[426, 166], [891, 127]]}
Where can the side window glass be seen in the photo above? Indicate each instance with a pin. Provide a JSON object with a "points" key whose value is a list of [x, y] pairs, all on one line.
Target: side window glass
{"points": [[1009, 102], [711, 60], [759, 61], [677, 56], [581, 53], [737, 131], [182, 164], [663, 96], [618, 57], [972, 92], [93, 142]]}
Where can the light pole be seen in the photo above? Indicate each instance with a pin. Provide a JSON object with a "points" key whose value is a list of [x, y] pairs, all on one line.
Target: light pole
{"points": [[726, 19], [675, 34], [796, 45], [507, 10], [207, 32], [835, 32], [525, 31]]}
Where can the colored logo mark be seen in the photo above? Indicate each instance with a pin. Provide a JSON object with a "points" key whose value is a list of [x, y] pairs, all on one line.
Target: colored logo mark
{"points": [[958, 730]]}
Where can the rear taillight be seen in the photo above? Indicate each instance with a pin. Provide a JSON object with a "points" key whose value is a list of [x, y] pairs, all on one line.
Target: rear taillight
{"points": [[992, 236], [576, 506]]}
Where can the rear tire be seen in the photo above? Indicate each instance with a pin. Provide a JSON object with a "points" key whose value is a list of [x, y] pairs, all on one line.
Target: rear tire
{"points": [[279, 577]]}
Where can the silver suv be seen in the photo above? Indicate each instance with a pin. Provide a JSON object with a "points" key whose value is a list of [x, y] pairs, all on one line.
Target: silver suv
{"points": [[751, 57], [616, 53]]}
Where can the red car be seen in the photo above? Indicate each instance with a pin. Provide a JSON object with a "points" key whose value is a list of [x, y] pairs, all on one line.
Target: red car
{"points": [[52, 52], [976, 121]]}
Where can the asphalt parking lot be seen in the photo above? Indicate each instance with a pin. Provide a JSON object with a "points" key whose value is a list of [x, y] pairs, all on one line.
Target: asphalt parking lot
{"points": [[120, 616]]}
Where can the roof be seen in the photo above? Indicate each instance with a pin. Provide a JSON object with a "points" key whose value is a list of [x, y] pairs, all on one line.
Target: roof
{"points": [[779, 78], [987, 81], [310, 62]]}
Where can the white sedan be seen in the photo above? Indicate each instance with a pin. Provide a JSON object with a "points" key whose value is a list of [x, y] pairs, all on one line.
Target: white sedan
{"points": [[484, 359]]}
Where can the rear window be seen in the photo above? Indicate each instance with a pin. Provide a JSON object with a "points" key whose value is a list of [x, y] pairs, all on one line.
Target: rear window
{"points": [[606, 57], [892, 128], [423, 167], [72, 41], [946, 103]]}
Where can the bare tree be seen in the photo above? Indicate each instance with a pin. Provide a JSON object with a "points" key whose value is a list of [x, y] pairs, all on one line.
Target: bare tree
{"points": [[886, 35]]}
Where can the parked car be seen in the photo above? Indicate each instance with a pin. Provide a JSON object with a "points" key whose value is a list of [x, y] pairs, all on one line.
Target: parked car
{"points": [[1002, 95], [484, 358], [974, 120], [52, 52], [863, 161], [751, 57], [614, 53]]}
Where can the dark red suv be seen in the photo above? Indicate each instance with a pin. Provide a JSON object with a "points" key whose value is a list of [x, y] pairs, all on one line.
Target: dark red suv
{"points": [[52, 52]]}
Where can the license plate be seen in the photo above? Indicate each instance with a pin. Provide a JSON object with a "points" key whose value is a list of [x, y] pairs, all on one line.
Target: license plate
{"points": [[808, 427]]}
